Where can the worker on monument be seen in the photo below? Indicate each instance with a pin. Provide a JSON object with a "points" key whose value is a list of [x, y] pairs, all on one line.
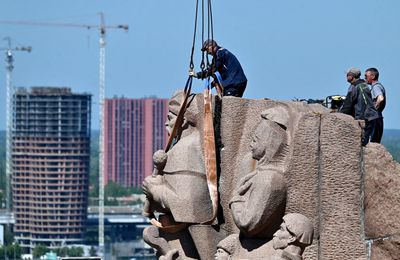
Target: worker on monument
{"points": [[378, 93], [359, 104], [225, 67]]}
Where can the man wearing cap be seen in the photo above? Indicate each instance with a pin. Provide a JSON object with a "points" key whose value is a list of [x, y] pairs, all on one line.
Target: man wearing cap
{"points": [[358, 103], [379, 97], [295, 234], [232, 77]]}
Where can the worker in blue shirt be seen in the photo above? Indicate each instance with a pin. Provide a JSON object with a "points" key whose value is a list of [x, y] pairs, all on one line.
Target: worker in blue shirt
{"points": [[231, 75]]}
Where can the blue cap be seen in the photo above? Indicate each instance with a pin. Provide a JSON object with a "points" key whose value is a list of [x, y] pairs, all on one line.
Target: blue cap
{"points": [[208, 42]]}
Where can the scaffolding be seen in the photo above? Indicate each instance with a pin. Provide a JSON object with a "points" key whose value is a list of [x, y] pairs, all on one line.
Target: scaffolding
{"points": [[51, 164]]}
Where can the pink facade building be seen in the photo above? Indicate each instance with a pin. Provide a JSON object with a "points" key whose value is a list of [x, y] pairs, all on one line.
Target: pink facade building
{"points": [[134, 130]]}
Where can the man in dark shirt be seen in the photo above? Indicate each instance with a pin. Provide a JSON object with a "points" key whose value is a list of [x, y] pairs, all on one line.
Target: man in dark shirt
{"points": [[358, 103], [231, 75]]}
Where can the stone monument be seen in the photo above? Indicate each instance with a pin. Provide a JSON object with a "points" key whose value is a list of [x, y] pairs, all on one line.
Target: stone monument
{"points": [[294, 182]]}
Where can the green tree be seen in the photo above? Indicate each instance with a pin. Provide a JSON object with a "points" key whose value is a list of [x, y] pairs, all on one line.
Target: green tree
{"points": [[75, 251], [3, 252], [8, 235], [14, 251], [135, 190], [40, 250], [94, 159], [113, 189], [63, 251]]}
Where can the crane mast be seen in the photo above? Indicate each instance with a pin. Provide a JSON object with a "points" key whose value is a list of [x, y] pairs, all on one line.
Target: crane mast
{"points": [[102, 76], [9, 116], [102, 28], [10, 67]]}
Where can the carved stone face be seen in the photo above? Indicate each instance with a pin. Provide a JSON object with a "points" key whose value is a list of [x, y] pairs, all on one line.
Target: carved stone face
{"points": [[266, 141], [171, 119], [282, 238], [259, 141], [222, 255], [173, 110]]}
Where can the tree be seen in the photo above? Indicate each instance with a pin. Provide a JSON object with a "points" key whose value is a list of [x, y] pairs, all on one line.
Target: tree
{"points": [[75, 251], [40, 250], [8, 235], [14, 251], [2, 252], [63, 251]]}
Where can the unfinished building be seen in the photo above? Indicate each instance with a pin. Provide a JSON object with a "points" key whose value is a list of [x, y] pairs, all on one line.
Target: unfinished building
{"points": [[50, 165]]}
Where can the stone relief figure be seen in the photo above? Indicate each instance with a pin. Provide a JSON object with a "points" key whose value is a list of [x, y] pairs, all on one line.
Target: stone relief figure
{"points": [[181, 187], [258, 204], [295, 234], [178, 190], [226, 248]]}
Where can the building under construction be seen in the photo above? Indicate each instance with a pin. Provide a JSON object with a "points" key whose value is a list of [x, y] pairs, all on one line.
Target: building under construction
{"points": [[50, 165]]}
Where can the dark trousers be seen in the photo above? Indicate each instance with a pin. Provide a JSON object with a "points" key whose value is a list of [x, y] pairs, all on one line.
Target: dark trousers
{"points": [[377, 133], [373, 131], [235, 90]]}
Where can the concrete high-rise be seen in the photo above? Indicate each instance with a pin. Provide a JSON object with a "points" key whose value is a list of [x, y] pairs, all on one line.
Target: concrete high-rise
{"points": [[134, 130], [50, 165]]}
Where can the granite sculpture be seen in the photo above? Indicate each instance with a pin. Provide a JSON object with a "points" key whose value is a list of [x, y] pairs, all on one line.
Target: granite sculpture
{"points": [[178, 191], [258, 203], [292, 179], [295, 234]]}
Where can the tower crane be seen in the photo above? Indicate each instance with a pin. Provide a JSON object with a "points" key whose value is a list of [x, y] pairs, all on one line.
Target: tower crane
{"points": [[102, 27], [9, 93]]}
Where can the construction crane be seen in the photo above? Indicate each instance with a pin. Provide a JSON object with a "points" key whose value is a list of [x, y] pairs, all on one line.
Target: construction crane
{"points": [[9, 94], [102, 27]]}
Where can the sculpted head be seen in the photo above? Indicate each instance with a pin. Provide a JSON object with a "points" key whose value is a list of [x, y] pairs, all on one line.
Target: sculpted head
{"points": [[270, 136], [226, 248], [295, 229], [221, 254], [174, 104]]}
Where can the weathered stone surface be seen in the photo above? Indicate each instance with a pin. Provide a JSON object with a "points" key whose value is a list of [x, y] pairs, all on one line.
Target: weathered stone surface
{"points": [[386, 249], [311, 252], [382, 192], [258, 204], [206, 238], [325, 178], [340, 219], [238, 123], [302, 175]]}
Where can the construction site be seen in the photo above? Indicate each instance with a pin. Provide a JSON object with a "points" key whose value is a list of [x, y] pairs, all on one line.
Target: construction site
{"points": [[50, 165], [242, 149]]}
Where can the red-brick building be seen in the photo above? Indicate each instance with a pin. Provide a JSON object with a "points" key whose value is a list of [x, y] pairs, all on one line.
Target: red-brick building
{"points": [[134, 129]]}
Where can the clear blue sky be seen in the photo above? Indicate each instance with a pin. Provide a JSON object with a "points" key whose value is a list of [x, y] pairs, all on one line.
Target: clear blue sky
{"points": [[288, 48]]}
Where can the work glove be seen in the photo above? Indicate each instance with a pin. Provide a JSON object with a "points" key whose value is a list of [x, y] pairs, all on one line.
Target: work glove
{"points": [[202, 74], [192, 73]]}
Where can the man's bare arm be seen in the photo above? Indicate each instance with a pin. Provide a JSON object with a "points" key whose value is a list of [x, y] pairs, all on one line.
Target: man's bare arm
{"points": [[379, 101]]}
